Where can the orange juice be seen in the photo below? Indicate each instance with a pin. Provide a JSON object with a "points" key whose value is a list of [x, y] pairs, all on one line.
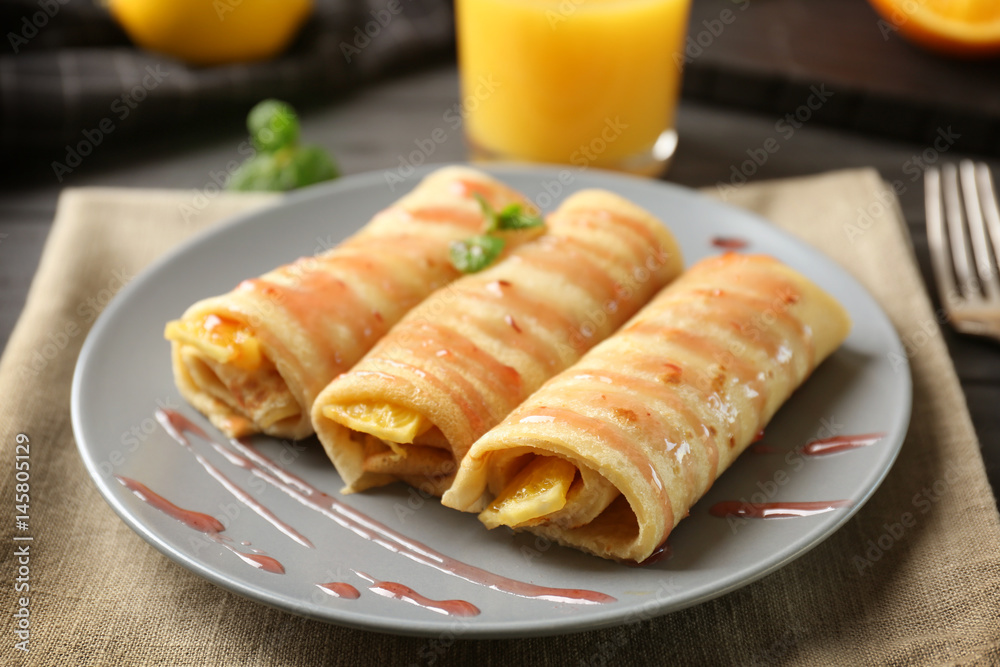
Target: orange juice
{"points": [[584, 82]]}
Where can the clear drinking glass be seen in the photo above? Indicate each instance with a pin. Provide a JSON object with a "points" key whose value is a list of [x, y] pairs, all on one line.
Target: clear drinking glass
{"points": [[592, 83]]}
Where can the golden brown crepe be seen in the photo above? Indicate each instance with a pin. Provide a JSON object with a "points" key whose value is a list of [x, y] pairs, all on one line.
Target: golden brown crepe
{"points": [[611, 454], [458, 363], [254, 359]]}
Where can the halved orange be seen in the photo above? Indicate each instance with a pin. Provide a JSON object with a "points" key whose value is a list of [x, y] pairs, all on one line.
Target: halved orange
{"points": [[963, 28]]}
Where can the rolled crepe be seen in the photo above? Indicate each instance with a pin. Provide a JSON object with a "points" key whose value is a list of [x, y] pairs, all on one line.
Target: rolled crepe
{"points": [[254, 359], [459, 362], [611, 454]]}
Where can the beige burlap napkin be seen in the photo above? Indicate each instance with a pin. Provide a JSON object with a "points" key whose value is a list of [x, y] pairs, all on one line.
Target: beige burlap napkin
{"points": [[876, 592]]}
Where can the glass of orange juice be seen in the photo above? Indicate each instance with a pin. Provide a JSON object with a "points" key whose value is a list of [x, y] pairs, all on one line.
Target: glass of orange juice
{"points": [[593, 83]]}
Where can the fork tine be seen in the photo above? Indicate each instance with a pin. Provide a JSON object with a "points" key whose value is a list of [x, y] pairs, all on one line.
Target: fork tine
{"points": [[936, 233], [958, 236], [977, 229], [991, 215]]}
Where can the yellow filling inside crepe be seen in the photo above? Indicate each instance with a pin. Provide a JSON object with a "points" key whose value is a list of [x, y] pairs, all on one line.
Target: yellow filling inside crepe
{"points": [[222, 340], [538, 490], [392, 424]]}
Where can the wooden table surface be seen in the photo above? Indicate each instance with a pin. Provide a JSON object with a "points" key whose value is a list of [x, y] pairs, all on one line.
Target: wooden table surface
{"points": [[374, 128], [765, 56]]}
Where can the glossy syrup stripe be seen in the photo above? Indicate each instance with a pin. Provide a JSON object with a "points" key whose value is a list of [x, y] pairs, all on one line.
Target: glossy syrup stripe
{"points": [[247, 457]]}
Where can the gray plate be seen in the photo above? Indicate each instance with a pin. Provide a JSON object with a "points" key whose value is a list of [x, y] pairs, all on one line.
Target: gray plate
{"points": [[123, 375]]}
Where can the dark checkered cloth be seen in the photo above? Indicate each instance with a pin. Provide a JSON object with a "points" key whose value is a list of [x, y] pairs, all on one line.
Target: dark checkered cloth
{"points": [[66, 67]]}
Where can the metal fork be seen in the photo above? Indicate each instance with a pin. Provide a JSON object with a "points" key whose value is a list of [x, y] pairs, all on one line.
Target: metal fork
{"points": [[963, 229]]}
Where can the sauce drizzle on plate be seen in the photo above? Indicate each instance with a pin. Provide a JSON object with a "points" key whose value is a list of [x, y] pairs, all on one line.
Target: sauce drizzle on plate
{"points": [[340, 589], [203, 523], [840, 443], [729, 242], [777, 510], [244, 455], [397, 591]]}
